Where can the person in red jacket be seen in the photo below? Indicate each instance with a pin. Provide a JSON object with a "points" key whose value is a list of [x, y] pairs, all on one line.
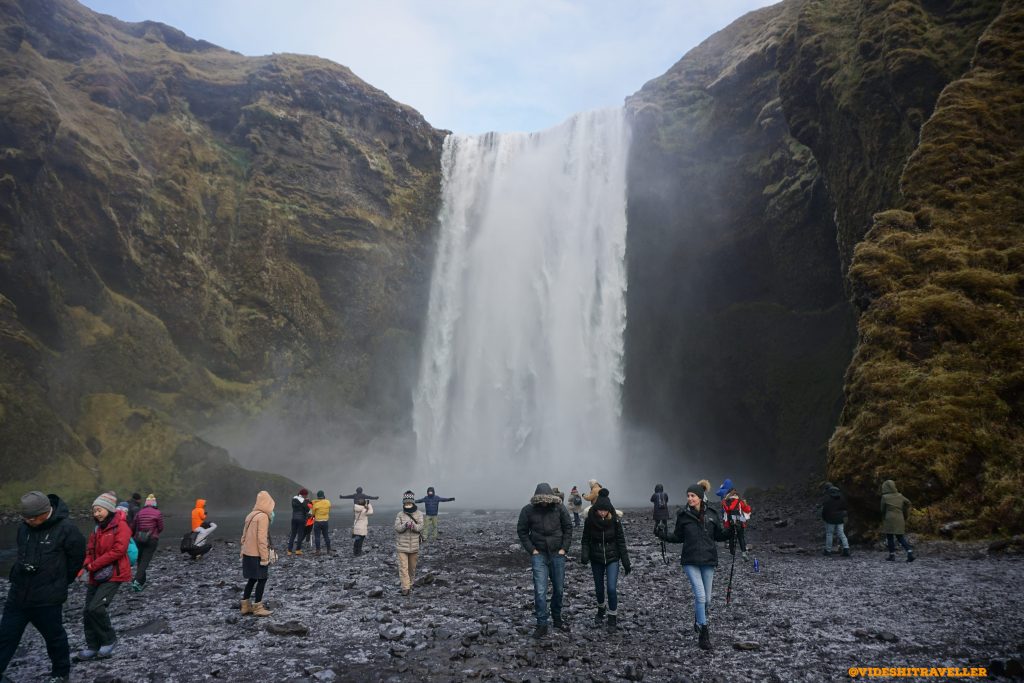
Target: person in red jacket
{"points": [[106, 560], [735, 513]]}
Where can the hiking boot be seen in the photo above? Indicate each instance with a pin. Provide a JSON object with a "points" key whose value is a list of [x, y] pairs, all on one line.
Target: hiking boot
{"points": [[317, 552], [246, 607], [704, 639], [846, 552], [53, 679], [540, 631], [613, 621], [827, 552], [136, 586], [86, 654], [910, 556], [259, 610], [405, 591], [891, 558], [746, 557], [299, 551], [599, 619], [696, 626], [105, 651], [559, 624], [288, 552]]}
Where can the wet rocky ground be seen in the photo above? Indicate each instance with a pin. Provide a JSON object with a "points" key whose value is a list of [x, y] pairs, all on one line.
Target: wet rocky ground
{"points": [[803, 617]]}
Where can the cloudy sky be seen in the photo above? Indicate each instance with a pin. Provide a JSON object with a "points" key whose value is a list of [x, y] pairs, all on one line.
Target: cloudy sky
{"points": [[468, 65]]}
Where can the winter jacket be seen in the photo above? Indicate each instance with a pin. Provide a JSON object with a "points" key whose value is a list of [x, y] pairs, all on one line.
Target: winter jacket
{"points": [[203, 533], [575, 502], [358, 495], [256, 529], [300, 510], [595, 488], [603, 544], [544, 525], [361, 521], [431, 502], [199, 513], [698, 532], [895, 508], [49, 557], [133, 509], [108, 545], [309, 513], [735, 508], [833, 507], [408, 540], [149, 519], [321, 509], [660, 500]]}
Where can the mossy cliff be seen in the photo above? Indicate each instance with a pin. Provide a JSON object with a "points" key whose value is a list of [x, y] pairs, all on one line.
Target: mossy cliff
{"points": [[760, 162], [187, 233]]}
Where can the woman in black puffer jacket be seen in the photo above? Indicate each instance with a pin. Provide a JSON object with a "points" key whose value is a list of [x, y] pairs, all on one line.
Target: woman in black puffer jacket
{"points": [[698, 527], [604, 547]]}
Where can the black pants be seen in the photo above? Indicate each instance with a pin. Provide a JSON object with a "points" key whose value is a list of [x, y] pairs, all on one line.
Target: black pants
{"points": [[48, 620], [741, 536], [320, 529], [357, 545], [298, 531], [575, 518], [260, 584], [199, 550], [98, 629], [890, 541], [146, 552]]}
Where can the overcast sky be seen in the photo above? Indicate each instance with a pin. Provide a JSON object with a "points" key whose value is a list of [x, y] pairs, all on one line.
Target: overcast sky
{"points": [[467, 65]]}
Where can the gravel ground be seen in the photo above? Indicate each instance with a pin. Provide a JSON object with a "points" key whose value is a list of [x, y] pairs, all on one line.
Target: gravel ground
{"points": [[803, 617]]}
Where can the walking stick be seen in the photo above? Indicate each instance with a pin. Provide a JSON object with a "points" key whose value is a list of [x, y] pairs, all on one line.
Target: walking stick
{"points": [[732, 567], [664, 527]]}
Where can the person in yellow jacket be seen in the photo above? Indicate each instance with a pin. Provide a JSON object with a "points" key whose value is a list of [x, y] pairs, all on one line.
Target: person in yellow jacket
{"points": [[198, 514], [321, 514]]}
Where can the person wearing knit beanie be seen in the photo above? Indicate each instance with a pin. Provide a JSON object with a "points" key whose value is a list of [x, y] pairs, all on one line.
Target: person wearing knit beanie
{"points": [[321, 517], [106, 501], [151, 500], [408, 527], [699, 528], [603, 546]]}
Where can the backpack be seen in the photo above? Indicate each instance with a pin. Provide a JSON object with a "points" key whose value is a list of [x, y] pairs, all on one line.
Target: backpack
{"points": [[188, 540], [133, 552]]}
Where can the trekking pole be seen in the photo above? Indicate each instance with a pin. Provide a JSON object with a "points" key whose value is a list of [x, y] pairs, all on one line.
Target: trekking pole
{"points": [[664, 528], [732, 567]]}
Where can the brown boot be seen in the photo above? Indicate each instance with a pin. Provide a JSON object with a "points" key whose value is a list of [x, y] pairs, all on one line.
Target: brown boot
{"points": [[246, 607], [298, 552], [258, 610]]}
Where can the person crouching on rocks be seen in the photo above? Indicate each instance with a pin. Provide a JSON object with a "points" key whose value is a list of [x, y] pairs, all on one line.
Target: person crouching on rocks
{"points": [[257, 554], [201, 534], [604, 548], [361, 511], [698, 528], [106, 560], [545, 531], [408, 527], [896, 510]]}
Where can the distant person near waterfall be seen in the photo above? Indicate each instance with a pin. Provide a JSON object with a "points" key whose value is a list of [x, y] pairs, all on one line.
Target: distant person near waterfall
{"points": [[833, 514], [300, 512], [545, 531], [321, 517], [106, 561], [146, 530], [431, 502], [361, 511], [408, 529], [660, 501], [575, 506], [603, 547], [358, 495], [735, 513], [895, 511], [198, 545], [257, 554], [698, 528]]}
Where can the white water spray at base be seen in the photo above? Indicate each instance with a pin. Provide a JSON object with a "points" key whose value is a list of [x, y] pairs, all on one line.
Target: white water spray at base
{"points": [[522, 365]]}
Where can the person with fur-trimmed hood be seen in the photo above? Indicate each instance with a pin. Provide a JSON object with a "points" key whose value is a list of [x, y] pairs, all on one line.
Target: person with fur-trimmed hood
{"points": [[408, 527], [603, 546], [698, 528], [545, 531]]}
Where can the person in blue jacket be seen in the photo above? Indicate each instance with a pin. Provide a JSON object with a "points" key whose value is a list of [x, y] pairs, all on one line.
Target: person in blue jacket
{"points": [[430, 504]]}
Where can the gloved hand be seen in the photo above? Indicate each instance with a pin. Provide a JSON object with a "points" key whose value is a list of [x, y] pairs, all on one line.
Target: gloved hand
{"points": [[626, 569], [408, 525]]}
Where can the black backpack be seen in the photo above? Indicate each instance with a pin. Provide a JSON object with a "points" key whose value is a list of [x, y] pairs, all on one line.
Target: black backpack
{"points": [[188, 541]]}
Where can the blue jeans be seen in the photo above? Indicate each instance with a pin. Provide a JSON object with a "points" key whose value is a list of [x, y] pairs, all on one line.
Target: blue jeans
{"points": [[49, 621], [701, 578], [321, 529], [838, 529], [545, 566], [890, 541], [611, 570]]}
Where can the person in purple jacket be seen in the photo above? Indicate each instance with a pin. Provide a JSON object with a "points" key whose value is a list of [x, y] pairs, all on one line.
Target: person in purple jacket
{"points": [[430, 504], [146, 529]]}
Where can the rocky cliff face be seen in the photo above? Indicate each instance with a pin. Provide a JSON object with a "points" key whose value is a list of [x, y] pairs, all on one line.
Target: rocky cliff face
{"points": [[186, 234], [759, 161]]}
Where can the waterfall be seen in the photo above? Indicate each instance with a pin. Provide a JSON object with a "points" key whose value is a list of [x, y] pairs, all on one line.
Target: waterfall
{"points": [[522, 364]]}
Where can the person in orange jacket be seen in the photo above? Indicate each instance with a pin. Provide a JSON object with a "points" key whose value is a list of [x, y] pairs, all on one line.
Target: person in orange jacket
{"points": [[198, 514]]}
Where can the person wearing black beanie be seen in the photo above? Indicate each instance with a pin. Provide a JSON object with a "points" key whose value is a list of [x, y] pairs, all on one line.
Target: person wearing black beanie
{"points": [[603, 546], [699, 529]]}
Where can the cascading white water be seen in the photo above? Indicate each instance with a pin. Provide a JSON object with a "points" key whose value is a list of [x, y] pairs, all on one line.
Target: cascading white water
{"points": [[522, 363]]}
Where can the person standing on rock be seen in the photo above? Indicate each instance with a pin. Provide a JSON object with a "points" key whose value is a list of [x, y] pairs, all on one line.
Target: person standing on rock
{"points": [[51, 550], [431, 501], [300, 511], [408, 527], [603, 546], [198, 514], [257, 553], [660, 501], [307, 532], [361, 511], [146, 530], [833, 513], [735, 513], [698, 528], [545, 531], [321, 515], [895, 511], [106, 560], [358, 495], [575, 506]]}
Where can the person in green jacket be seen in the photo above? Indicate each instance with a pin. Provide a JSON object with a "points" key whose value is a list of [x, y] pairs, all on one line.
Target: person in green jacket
{"points": [[895, 511]]}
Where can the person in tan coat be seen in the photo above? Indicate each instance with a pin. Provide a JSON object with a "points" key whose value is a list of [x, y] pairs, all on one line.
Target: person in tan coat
{"points": [[408, 525], [257, 553], [361, 511], [895, 511]]}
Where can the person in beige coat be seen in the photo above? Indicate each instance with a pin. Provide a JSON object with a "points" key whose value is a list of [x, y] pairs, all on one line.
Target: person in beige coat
{"points": [[257, 554], [408, 525], [361, 511]]}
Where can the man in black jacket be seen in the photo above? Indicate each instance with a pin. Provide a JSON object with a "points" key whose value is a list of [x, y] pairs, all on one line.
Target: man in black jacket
{"points": [[833, 513], [545, 530], [51, 550]]}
